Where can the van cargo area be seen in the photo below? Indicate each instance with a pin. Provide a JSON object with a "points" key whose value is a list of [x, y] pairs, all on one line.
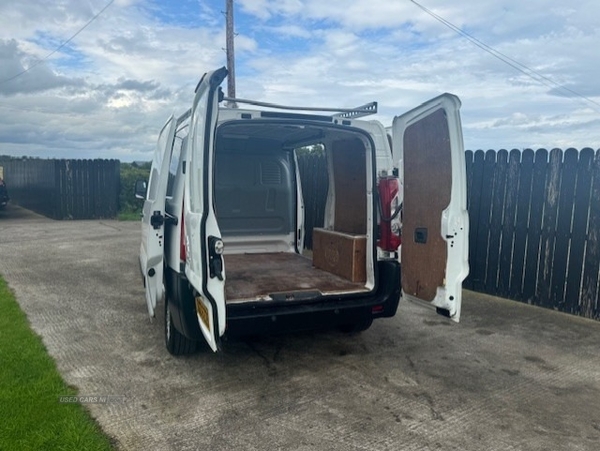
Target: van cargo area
{"points": [[260, 211]]}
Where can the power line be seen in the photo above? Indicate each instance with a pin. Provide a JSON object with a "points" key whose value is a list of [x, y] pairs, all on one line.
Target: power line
{"points": [[505, 58], [37, 63]]}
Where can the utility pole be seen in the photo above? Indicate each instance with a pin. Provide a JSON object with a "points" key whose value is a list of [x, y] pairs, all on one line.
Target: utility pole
{"points": [[230, 52]]}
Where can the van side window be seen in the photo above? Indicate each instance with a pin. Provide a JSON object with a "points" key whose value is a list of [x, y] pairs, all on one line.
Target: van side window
{"points": [[174, 165]]}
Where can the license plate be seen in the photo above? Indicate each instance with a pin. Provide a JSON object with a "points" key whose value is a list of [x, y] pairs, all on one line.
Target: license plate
{"points": [[202, 311]]}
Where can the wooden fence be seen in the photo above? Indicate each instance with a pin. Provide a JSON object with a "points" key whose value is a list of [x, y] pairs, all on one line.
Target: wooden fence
{"points": [[64, 189], [534, 216], [534, 224], [535, 227]]}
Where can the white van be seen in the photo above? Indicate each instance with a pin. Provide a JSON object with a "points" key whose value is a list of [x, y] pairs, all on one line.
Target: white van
{"points": [[223, 223]]}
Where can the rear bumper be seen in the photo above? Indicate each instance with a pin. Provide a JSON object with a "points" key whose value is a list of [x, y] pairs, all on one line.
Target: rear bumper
{"points": [[331, 312], [275, 317]]}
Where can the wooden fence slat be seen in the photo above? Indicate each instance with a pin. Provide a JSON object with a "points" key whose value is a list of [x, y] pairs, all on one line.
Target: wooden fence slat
{"points": [[114, 198], [66, 193], [93, 193], [508, 222], [474, 197], [80, 214], [312, 169], [81, 189], [60, 189], [479, 264], [589, 305], [552, 191], [540, 165], [323, 188], [102, 188], [496, 219], [469, 172], [74, 167], [521, 225], [563, 228], [87, 194], [313, 173], [579, 230], [69, 189], [307, 193]]}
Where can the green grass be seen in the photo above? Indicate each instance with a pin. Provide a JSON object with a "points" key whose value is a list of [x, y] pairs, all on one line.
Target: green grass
{"points": [[129, 216], [31, 417]]}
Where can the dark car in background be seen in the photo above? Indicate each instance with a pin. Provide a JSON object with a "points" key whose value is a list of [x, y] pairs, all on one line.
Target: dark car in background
{"points": [[3, 194]]}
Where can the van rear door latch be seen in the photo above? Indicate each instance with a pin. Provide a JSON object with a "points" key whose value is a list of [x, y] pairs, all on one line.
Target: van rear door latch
{"points": [[157, 220]]}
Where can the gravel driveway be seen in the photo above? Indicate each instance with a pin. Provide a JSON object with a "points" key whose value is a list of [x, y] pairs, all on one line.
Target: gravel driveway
{"points": [[508, 377]]}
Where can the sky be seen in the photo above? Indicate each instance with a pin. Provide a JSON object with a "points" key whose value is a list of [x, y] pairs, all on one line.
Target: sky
{"points": [[107, 92]]}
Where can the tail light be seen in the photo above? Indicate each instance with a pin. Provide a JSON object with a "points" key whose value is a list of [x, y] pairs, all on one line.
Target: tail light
{"points": [[376, 309], [389, 214]]}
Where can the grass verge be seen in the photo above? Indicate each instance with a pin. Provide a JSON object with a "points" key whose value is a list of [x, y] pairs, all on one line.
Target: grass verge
{"points": [[30, 387], [129, 216]]}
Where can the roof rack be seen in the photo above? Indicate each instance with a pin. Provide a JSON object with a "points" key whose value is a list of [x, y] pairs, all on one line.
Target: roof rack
{"points": [[360, 111], [346, 113]]}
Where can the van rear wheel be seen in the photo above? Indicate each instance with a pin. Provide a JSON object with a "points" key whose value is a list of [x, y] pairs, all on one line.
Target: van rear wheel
{"points": [[177, 343]]}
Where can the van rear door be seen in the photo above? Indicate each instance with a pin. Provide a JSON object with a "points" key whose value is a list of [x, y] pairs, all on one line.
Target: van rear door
{"points": [[204, 265], [435, 228], [153, 217]]}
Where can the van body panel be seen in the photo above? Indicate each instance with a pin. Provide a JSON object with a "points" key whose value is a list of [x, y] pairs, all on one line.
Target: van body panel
{"points": [[153, 218], [200, 223]]}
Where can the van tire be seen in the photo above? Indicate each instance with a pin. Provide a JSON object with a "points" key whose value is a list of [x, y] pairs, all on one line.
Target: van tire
{"points": [[177, 344]]}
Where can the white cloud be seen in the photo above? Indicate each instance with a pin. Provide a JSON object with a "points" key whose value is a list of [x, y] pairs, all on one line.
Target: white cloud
{"points": [[289, 31]]}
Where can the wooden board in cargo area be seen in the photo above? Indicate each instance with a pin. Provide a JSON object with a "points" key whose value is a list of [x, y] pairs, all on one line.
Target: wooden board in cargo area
{"points": [[427, 184], [350, 186], [340, 253]]}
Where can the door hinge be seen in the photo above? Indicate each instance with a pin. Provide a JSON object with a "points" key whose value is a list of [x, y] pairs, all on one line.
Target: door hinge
{"points": [[157, 220]]}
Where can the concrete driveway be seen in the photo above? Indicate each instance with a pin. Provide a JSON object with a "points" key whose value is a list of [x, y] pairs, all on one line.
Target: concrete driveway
{"points": [[508, 377]]}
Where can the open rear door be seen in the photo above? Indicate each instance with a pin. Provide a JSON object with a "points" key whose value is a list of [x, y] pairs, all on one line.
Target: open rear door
{"points": [[204, 263], [153, 219], [435, 228]]}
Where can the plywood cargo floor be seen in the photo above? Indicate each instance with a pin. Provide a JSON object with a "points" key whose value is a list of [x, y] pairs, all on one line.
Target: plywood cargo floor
{"points": [[253, 275]]}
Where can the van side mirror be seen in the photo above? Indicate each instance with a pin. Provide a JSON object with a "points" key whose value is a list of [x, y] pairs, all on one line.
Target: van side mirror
{"points": [[140, 189]]}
